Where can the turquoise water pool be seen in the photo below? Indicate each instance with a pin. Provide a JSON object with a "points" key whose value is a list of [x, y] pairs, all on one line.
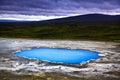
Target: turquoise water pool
{"points": [[70, 56]]}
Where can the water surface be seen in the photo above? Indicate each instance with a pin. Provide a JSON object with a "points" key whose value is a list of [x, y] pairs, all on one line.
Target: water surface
{"points": [[70, 56]]}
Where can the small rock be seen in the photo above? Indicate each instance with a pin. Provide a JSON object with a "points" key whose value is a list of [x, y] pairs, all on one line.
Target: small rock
{"points": [[49, 78], [41, 74]]}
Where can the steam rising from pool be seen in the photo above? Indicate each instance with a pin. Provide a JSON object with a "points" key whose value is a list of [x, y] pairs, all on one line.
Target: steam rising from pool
{"points": [[59, 55]]}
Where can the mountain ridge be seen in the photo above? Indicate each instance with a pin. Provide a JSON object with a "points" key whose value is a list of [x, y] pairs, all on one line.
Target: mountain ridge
{"points": [[79, 18]]}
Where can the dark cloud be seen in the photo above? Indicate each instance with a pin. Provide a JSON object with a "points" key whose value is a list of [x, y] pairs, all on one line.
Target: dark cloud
{"points": [[58, 7]]}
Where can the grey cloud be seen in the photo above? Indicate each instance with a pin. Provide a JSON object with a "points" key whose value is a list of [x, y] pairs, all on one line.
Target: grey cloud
{"points": [[56, 7]]}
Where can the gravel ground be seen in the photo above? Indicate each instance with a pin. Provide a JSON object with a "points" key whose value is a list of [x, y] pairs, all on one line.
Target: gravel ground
{"points": [[107, 66]]}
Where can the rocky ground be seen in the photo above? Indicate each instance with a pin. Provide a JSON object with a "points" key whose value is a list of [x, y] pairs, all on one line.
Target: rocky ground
{"points": [[104, 68]]}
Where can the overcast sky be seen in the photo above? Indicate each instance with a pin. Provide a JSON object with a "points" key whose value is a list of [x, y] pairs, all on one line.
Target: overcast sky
{"points": [[49, 9]]}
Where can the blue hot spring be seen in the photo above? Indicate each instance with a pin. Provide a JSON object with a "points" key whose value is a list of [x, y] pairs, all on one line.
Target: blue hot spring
{"points": [[59, 55]]}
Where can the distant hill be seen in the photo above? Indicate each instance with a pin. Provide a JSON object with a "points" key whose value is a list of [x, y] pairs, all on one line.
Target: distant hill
{"points": [[85, 18], [83, 27], [5, 20], [80, 18]]}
